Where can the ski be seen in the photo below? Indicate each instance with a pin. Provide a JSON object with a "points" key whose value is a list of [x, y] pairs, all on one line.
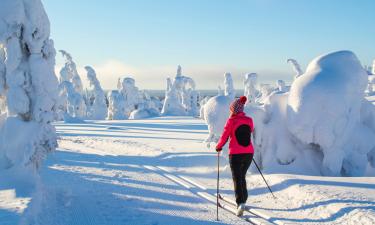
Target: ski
{"points": [[256, 212], [253, 219]]}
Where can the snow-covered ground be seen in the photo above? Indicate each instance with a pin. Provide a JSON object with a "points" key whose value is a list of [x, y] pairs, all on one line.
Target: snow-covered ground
{"points": [[106, 172]]}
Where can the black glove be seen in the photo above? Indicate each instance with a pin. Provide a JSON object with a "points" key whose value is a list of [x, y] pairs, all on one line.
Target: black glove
{"points": [[219, 149]]}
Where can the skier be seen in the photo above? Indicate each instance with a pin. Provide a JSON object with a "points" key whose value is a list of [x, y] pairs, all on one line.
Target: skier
{"points": [[238, 129]]}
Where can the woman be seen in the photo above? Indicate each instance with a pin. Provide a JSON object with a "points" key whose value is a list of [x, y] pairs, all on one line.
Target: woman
{"points": [[238, 129]]}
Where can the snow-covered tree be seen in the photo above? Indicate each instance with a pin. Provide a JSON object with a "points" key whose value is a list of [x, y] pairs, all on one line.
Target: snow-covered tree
{"points": [[146, 107], [75, 104], [216, 110], [97, 109], [172, 102], [69, 72], [296, 67], [228, 86], [116, 106], [127, 88], [28, 82], [180, 94], [251, 91], [332, 120], [373, 67]]}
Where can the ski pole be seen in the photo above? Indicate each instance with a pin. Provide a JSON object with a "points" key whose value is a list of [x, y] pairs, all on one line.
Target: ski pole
{"points": [[217, 187], [263, 178]]}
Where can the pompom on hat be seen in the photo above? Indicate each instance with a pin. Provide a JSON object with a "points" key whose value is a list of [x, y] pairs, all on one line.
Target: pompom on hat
{"points": [[237, 105]]}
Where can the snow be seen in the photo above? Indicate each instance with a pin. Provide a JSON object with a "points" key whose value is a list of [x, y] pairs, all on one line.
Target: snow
{"points": [[100, 175], [147, 107], [251, 91], [181, 98], [321, 125], [69, 72], [155, 171], [116, 106], [216, 110], [71, 100], [296, 67], [97, 107], [27, 71], [324, 109]]}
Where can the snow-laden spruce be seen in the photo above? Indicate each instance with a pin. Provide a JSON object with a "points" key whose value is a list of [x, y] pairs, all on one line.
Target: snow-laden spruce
{"points": [[251, 90], [181, 98], [322, 125], [69, 72], [324, 110], [28, 84], [72, 105], [97, 105], [126, 86], [116, 106], [216, 110], [146, 108]]}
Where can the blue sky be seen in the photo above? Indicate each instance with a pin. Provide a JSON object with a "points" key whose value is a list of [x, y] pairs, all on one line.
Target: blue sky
{"points": [[149, 38]]}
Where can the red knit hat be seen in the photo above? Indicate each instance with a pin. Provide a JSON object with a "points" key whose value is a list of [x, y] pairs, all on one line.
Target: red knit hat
{"points": [[238, 105]]}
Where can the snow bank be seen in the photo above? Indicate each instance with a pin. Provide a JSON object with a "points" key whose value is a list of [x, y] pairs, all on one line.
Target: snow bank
{"points": [[27, 71]]}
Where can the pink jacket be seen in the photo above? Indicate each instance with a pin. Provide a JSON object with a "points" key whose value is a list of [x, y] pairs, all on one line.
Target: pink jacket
{"points": [[238, 128]]}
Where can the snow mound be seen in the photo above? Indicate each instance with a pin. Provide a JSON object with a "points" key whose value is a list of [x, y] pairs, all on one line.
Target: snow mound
{"points": [[324, 109]]}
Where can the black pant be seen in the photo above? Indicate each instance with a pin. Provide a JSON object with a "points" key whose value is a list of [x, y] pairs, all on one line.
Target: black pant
{"points": [[239, 164]]}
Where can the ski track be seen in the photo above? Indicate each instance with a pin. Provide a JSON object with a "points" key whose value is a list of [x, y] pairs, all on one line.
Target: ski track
{"points": [[104, 173]]}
